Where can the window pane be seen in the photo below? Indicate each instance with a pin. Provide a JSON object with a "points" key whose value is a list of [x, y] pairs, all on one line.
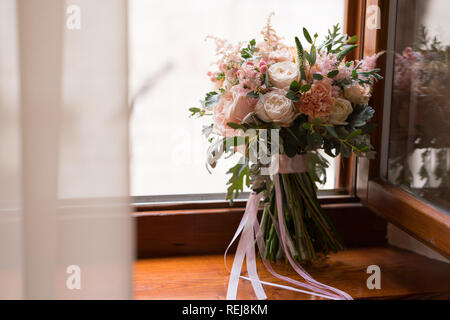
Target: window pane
{"points": [[170, 58], [419, 154]]}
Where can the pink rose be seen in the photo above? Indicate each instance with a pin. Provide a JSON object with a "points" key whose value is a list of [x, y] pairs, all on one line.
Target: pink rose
{"points": [[232, 107], [318, 102], [219, 115], [240, 107]]}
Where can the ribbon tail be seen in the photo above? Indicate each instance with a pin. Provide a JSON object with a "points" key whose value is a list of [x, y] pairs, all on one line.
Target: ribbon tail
{"points": [[251, 259], [262, 250], [245, 249], [319, 287]]}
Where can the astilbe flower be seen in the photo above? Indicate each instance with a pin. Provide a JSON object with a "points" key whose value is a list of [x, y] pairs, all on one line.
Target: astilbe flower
{"points": [[370, 62], [345, 71], [270, 36], [272, 49], [228, 63], [324, 64]]}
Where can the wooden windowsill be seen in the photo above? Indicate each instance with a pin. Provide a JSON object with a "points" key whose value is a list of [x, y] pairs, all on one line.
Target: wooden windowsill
{"points": [[403, 275]]}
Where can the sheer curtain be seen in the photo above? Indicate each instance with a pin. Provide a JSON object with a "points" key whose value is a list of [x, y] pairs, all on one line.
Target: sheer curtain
{"points": [[65, 225]]}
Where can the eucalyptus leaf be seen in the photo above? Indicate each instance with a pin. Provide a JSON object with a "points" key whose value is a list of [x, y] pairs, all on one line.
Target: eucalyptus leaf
{"points": [[307, 36], [332, 74], [317, 76]]}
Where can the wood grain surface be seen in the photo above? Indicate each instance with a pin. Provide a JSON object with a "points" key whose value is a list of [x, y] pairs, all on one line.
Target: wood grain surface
{"points": [[208, 231], [403, 275]]}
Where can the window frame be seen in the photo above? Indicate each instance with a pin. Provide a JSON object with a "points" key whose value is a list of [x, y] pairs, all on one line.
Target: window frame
{"points": [[412, 215]]}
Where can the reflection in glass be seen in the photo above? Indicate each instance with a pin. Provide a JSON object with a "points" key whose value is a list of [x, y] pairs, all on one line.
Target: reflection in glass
{"points": [[419, 153]]}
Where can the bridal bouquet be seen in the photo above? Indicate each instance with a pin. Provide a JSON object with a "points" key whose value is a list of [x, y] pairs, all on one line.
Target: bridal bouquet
{"points": [[293, 101]]}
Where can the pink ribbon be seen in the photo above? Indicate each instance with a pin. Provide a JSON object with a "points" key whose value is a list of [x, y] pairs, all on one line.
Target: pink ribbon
{"points": [[250, 228]]}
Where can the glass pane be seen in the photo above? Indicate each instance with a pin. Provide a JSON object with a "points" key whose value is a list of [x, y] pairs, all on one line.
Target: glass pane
{"points": [[419, 154], [169, 60]]}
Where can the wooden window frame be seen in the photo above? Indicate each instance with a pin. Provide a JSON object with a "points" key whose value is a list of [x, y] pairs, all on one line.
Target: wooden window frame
{"points": [[414, 216]]}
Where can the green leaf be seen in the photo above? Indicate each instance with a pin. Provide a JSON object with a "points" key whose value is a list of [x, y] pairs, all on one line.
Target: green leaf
{"points": [[316, 167], [360, 116], [240, 175], [236, 126], [247, 53], [314, 141], [354, 134], [305, 87], [368, 128], [363, 148], [332, 74], [211, 98], [347, 49], [292, 95], [309, 58], [307, 36], [306, 126], [353, 39], [294, 86], [317, 76]]}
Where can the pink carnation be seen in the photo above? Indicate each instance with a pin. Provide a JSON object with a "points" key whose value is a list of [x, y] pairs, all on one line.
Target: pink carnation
{"points": [[318, 102]]}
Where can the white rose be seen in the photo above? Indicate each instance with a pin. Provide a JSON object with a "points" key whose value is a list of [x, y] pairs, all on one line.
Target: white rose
{"points": [[357, 94], [341, 111], [276, 108], [281, 74]]}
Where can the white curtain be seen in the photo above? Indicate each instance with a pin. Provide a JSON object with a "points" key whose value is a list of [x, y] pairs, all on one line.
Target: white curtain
{"points": [[64, 209]]}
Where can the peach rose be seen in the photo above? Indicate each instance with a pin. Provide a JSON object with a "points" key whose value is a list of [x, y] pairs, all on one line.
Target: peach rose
{"points": [[318, 102], [357, 94]]}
